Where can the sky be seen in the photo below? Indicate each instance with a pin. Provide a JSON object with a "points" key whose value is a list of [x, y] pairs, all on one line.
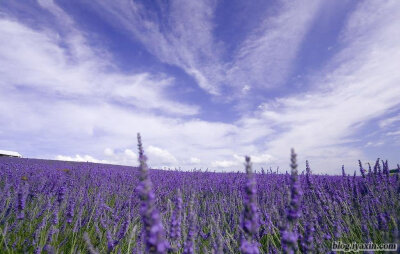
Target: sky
{"points": [[205, 82]]}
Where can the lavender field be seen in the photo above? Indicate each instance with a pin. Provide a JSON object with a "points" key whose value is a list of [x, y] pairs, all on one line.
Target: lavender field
{"points": [[69, 207]]}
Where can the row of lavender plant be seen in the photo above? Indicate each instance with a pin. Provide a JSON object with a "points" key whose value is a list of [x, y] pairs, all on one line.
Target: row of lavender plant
{"points": [[67, 207]]}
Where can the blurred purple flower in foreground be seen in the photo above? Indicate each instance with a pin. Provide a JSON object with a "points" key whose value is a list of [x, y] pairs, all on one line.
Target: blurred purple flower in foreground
{"points": [[250, 219], [152, 226], [289, 234]]}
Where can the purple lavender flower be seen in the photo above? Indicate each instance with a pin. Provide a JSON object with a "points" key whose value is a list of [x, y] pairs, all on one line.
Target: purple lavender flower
{"points": [[152, 227], [48, 246], [307, 242], [308, 169], [289, 236], [369, 169], [61, 194], [189, 243], [250, 216], [295, 191], [379, 168], [44, 209], [382, 222], [308, 175], [362, 170], [55, 214], [21, 202], [365, 232], [218, 243], [175, 229], [49, 249], [70, 212], [78, 222], [110, 242], [385, 168], [376, 166], [123, 229], [38, 230]]}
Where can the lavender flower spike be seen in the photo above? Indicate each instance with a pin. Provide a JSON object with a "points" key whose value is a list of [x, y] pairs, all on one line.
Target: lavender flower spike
{"points": [[295, 191], [21, 202], [362, 170], [189, 244], [250, 220], [152, 227], [175, 229], [289, 236]]}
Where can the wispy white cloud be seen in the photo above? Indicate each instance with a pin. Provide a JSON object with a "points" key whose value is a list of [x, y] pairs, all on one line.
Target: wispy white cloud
{"points": [[359, 84], [389, 121], [374, 144], [393, 133], [52, 69], [180, 35], [265, 59]]}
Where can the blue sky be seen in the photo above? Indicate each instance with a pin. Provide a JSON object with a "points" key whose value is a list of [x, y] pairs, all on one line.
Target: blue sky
{"points": [[205, 82]]}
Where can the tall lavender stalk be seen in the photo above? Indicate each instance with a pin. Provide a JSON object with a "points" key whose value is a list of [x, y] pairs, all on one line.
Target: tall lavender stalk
{"points": [[189, 243], [153, 230], [21, 202], [175, 230], [250, 218], [289, 235], [308, 175], [362, 170]]}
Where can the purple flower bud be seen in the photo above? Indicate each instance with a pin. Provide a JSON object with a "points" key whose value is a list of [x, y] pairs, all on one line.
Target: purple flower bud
{"points": [[289, 241], [307, 242], [362, 170], [175, 229], [308, 175], [382, 222], [288, 235], [189, 243], [369, 169], [70, 212], [61, 194], [153, 230], [295, 191], [21, 203], [110, 242], [123, 229], [250, 216], [249, 247]]}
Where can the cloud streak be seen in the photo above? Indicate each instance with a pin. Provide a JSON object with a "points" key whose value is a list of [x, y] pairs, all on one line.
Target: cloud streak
{"points": [[53, 70], [181, 34], [266, 58]]}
